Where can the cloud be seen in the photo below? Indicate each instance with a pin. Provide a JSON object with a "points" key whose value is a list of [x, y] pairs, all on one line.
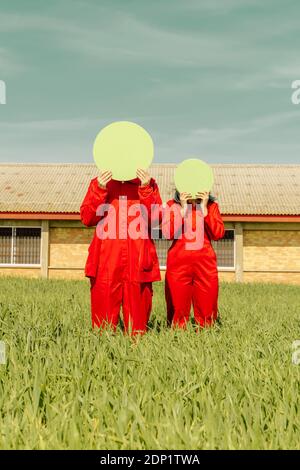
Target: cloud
{"points": [[124, 38], [237, 142], [71, 124], [51, 125], [119, 36], [253, 126], [116, 36], [13, 22], [219, 7], [9, 64]]}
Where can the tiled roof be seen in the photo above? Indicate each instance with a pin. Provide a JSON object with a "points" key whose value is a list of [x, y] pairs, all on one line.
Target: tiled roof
{"points": [[240, 188]]}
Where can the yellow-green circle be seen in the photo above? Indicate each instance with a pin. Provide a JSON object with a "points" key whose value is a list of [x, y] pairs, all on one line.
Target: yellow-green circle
{"points": [[122, 147], [192, 176]]}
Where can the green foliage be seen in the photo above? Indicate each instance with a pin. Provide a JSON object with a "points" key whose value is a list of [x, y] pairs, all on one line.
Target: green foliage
{"points": [[230, 387]]}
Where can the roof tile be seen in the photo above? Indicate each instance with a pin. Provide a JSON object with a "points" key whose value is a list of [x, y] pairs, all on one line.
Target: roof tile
{"points": [[256, 189]]}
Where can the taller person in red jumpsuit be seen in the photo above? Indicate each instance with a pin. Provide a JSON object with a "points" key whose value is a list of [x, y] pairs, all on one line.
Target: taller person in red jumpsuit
{"points": [[192, 276], [122, 265]]}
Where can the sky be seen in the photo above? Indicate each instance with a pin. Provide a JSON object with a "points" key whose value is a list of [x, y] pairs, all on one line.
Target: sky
{"points": [[206, 78]]}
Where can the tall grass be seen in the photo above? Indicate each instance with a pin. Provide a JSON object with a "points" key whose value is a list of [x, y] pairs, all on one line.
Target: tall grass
{"points": [[230, 387]]}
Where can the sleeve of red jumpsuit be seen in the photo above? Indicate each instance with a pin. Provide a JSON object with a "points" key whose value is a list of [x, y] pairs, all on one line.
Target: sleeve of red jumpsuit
{"points": [[93, 198], [149, 196], [172, 220], [213, 222]]}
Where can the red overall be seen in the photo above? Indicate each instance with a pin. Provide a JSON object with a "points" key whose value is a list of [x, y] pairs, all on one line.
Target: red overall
{"points": [[121, 267], [192, 276]]}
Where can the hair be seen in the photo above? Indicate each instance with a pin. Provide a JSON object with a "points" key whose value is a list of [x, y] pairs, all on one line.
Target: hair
{"points": [[177, 197]]}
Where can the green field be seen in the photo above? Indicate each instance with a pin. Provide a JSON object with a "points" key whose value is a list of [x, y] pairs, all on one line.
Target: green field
{"points": [[65, 386]]}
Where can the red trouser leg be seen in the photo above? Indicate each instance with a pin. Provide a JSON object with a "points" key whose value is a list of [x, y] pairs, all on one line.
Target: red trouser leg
{"points": [[205, 300], [178, 291], [106, 299], [137, 303]]}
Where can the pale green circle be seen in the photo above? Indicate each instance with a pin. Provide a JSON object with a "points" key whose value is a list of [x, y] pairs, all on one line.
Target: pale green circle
{"points": [[192, 176], [122, 147]]}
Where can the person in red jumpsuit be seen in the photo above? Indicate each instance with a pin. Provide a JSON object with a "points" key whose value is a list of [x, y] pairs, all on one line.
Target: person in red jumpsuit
{"points": [[191, 275], [123, 264]]}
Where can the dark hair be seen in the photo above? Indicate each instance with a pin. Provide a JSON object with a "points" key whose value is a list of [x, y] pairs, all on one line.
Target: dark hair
{"points": [[177, 197]]}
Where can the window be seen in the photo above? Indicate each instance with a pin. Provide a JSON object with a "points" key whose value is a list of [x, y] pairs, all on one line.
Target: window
{"points": [[20, 245], [5, 245], [224, 249], [162, 246]]}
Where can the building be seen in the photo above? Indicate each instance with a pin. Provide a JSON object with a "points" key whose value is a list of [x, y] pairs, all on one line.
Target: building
{"points": [[41, 233]]}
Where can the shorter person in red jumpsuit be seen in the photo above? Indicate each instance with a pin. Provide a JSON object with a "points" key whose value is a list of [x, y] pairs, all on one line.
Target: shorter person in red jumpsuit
{"points": [[123, 265], [192, 275]]}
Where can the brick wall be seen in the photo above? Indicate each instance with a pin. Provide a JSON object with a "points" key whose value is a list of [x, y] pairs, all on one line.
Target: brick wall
{"points": [[23, 272], [287, 278], [227, 276], [67, 274], [271, 250], [68, 247], [268, 255]]}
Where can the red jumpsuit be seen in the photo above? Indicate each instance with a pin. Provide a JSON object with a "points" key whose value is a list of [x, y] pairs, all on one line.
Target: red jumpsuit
{"points": [[121, 268], [192, 276]]}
